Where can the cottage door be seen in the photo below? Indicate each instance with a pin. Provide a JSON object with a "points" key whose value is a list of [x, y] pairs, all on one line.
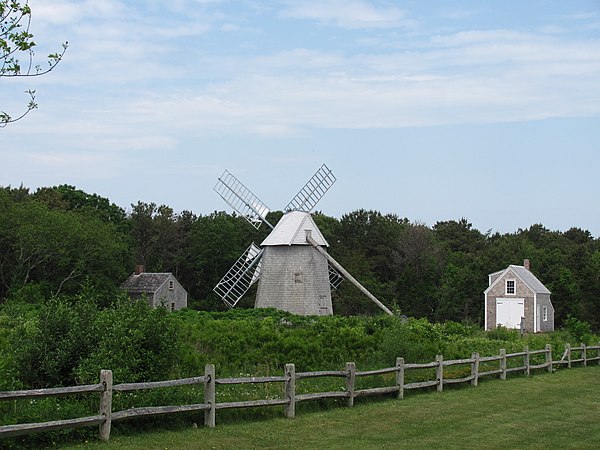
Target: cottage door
{"points": [[509, 312], [537, 318]]}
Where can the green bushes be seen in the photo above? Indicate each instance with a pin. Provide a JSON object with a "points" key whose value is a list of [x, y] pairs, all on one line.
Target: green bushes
{"points": [[69, 340], [49, 350], [136, 342], [579, 330], [265, 340]]}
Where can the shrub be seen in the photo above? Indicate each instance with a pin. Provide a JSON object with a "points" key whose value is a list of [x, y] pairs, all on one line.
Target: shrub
{"points": [[48, 351], [68, 340], [578, 330], [136, 342], [416, 340], [503, 334]]}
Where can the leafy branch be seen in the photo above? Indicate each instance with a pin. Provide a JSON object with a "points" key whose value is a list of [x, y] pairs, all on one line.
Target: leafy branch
{"points": [[17, 45]]}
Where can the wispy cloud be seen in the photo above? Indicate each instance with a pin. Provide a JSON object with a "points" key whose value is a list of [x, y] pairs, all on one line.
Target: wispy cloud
{"points": [[469, 76], [352, 14]]}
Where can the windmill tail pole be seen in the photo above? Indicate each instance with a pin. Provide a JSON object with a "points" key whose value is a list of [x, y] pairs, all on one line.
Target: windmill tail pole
{"points": [[346, 275]]}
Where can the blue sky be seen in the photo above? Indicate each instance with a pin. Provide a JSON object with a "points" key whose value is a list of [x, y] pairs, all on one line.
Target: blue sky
{"points": [[434, 111]]}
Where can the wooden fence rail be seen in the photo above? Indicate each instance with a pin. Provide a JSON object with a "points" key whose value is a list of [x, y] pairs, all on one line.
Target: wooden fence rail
{"points": [[105, 416]]}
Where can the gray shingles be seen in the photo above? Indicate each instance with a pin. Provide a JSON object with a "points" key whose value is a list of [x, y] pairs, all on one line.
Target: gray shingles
{"points": [[144, 282], [530, 280]]}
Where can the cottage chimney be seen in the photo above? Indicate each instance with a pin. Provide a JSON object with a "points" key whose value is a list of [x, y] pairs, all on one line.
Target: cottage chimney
{"points": [[526, 264], [139, 269]]}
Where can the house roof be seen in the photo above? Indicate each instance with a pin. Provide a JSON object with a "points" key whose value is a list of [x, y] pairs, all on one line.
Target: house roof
{"points": [[291, 230], [526, 277], [145, 282]]}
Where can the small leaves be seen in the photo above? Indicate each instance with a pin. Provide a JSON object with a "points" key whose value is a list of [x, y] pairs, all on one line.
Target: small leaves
{"points": [[15, 39]]}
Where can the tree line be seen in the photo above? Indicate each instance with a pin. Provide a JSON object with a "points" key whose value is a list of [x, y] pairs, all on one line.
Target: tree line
{"points": [[61, 240]]}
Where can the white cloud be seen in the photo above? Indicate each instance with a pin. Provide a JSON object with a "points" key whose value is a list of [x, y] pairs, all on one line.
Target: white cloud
{"points": [[149, 86], [62, 12], [474, 77], [354, 14]]}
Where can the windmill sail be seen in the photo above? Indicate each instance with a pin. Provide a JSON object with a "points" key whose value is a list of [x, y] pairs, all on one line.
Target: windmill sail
{"points": [[313, 191], [293, 275], [242, 200], [335, 278], [243, 274]]}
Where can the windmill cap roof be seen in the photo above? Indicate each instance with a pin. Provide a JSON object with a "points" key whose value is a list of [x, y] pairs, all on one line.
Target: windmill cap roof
{"points": [[292, 228]]}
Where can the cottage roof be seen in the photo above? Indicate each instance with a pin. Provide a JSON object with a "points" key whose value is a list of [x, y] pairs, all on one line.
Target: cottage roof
{"points": [[145, 282], [526, 277], [291, 230]]}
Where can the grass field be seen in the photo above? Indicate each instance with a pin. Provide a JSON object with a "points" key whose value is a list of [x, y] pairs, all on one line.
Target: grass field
{"points": [[545, 411]]}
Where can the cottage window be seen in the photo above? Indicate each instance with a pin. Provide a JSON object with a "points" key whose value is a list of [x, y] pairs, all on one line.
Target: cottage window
{"points": [[298, 277], [172, 306], [171, 285], [510, 287], [545, 314]]}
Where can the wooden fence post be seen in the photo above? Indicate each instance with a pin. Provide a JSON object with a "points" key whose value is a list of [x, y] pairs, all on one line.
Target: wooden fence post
{"points": [[549, 357], [568, 349], [526, 360], [350, 379], [503, 364], [105, 408], [475, 368], [400, 377], [290, 390], [210, 396], [439, 372], [584, 354]]}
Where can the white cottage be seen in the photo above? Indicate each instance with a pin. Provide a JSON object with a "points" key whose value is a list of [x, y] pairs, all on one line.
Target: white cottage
{"points": [[514, 295]]}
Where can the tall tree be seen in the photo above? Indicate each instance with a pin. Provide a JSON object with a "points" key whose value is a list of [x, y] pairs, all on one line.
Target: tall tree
{"points": [[58, 249], [67, 197], [17, 51]]}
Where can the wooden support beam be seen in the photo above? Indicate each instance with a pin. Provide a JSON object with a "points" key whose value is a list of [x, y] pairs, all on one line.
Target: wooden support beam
{"points": [[347, 275]]}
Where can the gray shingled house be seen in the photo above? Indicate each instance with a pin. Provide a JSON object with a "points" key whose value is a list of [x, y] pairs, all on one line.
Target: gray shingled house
{"points": [[158, 288], [516, 293]]}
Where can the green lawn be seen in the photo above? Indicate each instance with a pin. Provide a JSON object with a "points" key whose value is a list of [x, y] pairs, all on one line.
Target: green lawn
{"points": [[545, 411]]}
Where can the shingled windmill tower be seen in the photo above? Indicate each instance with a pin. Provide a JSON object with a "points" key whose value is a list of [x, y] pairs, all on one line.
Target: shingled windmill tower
{"points": [[294, 271]]}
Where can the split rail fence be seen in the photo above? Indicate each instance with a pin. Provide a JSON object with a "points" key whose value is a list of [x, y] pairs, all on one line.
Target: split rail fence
{"points": [[480, 366]]}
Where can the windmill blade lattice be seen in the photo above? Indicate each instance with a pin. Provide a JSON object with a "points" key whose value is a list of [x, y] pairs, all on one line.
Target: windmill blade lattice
{"points": [[242, 200], [243, 274], [313, 191], [335, 278]]}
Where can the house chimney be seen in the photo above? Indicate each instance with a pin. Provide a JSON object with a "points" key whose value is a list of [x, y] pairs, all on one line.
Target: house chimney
{"points": [[526, 264], [139, 269]]}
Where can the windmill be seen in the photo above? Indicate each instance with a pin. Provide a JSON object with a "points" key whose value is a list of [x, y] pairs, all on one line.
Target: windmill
{"points": [[294, 271]]}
